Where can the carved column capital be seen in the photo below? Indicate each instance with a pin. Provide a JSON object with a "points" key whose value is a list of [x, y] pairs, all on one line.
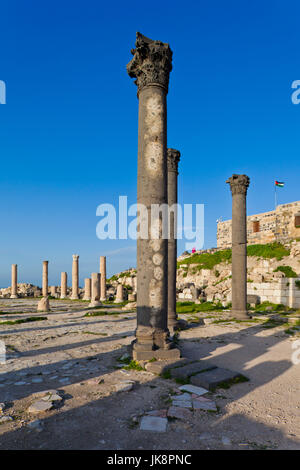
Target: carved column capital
{"points": [[238, 184], [151, 63], [173, 157], [75, 257]]}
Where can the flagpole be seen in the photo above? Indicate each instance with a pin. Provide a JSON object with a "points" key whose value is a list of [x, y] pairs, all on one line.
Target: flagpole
{"points": [[275, 197]]}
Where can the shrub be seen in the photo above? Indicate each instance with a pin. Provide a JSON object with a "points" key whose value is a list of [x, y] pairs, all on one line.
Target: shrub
{"points": [[287, 270]]}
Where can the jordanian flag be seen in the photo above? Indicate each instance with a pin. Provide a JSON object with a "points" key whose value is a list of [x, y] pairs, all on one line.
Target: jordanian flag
{"points": [[279, 183]]}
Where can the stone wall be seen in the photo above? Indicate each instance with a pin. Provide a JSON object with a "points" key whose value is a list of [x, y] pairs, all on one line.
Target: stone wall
{"points": [[284, 291], [280, 225]]}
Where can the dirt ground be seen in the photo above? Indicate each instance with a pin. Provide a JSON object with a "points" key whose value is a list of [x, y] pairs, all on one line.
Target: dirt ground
{"points": [[79, 356]]}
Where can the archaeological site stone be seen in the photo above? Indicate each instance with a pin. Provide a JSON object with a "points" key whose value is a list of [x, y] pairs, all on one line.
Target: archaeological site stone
{"points": [[150, 66], [103, 278], [95, 291], [45, 279], [63, 289], [75, 280], [173, 157], [239, 185], [43, 305], [87, 289], [14, 281], [120, 294]]}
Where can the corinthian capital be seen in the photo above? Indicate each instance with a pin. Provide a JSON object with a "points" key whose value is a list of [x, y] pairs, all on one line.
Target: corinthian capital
{"points": [[173, 159], [151, 63], [238, 184]]}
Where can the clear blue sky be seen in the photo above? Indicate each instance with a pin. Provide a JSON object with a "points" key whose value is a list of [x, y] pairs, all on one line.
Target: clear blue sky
{"points": [[68, 133]]}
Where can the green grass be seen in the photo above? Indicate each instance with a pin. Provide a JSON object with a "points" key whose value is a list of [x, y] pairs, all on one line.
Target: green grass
{"points": [[190, 307], [102, 314], [287, 270], [134, 365], [268, 251], [264, 307], [207, 260], [23, 320], [94, 333], [210, 260]]}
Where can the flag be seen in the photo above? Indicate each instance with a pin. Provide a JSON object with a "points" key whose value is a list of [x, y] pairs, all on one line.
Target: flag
{"points": [[279, 183]]}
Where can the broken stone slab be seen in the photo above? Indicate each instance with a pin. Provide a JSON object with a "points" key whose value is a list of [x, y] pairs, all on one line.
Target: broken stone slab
{"points": [[153, 423], [159, 413], [207, 405], [193, 389], [43, 305], [159, 367], [35, 425], [40, 406], [188, 370], [124, 386], [179, 412], [215, 377], [158, 354]]}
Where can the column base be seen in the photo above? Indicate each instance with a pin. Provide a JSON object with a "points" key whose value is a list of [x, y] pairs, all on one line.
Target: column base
{"points": [[175, 324], [13, 296], [118, 301], [75, 297], [151, 343], [241, 314], [86, 298], [63, 297], [102, 299]]}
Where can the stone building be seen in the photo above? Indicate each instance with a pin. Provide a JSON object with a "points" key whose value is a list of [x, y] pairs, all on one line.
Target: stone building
{"points": [[280, 225]]}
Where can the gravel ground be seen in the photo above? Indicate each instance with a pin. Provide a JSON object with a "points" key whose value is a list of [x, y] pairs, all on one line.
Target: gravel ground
{"points": [[79, 357]]}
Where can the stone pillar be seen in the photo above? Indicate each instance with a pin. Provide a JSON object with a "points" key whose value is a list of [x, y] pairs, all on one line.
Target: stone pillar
{"points": [[151, 65], [239, 185], [63, 285], [53, 291], [95, 294], [173, 159], [45, 279], [87, 289], [14, 281], [103, 278], [120, 294], [75, 281]]}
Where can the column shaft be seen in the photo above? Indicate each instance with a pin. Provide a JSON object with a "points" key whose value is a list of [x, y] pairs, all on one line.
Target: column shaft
{"points": [[45, 279], [63, 289], [75, 280], [14, 281], [103, 278]]}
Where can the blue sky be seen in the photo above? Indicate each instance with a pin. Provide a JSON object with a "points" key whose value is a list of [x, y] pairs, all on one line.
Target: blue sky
{"points": [[68, 133]]}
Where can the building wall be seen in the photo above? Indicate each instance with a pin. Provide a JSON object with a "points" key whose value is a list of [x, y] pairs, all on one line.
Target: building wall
{"points": [[277, 225]]}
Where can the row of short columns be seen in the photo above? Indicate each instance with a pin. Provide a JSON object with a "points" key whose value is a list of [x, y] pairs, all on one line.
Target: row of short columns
{"points": [[89, 293]]}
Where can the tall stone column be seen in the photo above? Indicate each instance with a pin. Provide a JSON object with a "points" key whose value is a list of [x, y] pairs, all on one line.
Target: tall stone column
{"points": [[63, 285], [95, 295], [103, 278], [87, 289], [173, 160], [239, 185], [14, 281], [151, 65], [75, 281], [45, 279]]}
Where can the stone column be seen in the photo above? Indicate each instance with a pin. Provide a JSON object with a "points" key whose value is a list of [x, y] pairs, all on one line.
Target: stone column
{"points": [[87, 289], [45, 279], [120, 294], [14, 281], [173, 159], [95, 295], [151, 65], [63, 284], [103, 278], [53, 291], [75, 281], [239, 185]]}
